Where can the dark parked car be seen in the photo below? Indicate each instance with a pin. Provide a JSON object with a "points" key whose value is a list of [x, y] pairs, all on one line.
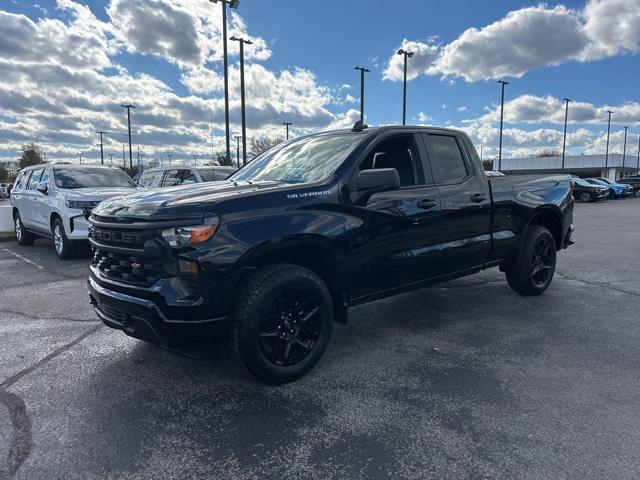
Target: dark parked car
{"points": [[160, 177], [272, 256], [616, 190], [587, 192], [634, 182]]}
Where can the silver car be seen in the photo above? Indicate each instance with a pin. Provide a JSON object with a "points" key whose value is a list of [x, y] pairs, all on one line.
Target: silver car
{"points": [[55, 201], [162, 177]]}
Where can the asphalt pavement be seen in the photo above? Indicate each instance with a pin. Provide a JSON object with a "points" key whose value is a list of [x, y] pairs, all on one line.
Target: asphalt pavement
{"points": [[462, 380]]}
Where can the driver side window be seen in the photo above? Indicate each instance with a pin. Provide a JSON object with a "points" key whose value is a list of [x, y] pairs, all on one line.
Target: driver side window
{"points": [[399, 152]]}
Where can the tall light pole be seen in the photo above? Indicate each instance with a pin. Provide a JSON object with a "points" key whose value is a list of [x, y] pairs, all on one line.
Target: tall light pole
{"points": [[80, 158], [238, 137], [111, 155], [129, 107], [195, 160], [101, 148], [502, 83], [242, 42], [606, 155], [624, 150], [124, 159], [363, 70], [287, 124], [169, 155], [564, 138], [638, 160], [404, 89], [233, 4]]}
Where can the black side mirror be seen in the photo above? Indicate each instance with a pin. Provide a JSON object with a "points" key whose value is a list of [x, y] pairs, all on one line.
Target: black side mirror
{"points": [[377, 180], [43, 188]]}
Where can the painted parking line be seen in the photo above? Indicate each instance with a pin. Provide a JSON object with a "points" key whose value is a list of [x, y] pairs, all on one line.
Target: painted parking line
{"points": [[23, 258]]}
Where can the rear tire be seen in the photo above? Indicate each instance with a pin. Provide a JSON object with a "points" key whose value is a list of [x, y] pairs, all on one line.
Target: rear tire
{"points": [[533, 269], [61, 244], [585, 197], [282, 323], [23, 236]]}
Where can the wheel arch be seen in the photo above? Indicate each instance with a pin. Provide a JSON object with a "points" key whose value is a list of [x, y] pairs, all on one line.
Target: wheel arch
{"points": [[314, 254], [52, 218], [550, 218]]}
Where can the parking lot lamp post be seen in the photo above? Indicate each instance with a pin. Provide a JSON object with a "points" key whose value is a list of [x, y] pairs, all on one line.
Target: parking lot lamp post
{"points": [[638, 160], [606, 155], [502, 83], [363, 70], [169, 155], [233, 4], [124, 159], [404, 88], [287, 125], [238, 137], [564, 138], [111, 156], [624, 150], [195, 160], [80, 158], [243, 115], [129, 107], [101, 148]]}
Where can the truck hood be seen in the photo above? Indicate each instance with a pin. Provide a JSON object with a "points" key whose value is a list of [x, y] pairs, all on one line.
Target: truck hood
{"points": [[181, 201], [96, 194]]}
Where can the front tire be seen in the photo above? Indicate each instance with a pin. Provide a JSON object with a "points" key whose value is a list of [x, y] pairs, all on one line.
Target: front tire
{"points": [[282, 323], [62, 245], [533, 269], [23, 236], [636, 193]]}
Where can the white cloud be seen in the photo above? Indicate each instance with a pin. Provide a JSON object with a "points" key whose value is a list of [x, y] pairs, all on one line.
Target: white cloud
{"points": [[461, 108], [531, 38], [424, 55], [423, 117], [548, 109]]}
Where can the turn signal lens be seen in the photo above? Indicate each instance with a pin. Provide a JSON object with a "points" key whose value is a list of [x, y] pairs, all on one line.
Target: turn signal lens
{"points": [[183, 236], [202, 234]]}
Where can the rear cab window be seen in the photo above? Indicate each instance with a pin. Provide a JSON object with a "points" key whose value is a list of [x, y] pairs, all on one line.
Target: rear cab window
{"points": [[178, 177], [150, 179], [447, 160]]}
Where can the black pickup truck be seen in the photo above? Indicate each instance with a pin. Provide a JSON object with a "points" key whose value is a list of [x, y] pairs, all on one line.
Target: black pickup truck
{"points": [[271, 257]]}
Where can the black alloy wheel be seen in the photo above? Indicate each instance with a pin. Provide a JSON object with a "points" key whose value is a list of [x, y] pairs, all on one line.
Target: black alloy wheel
{"points": [[290, 327], [543, 261], [282, 322], [585, 197]]}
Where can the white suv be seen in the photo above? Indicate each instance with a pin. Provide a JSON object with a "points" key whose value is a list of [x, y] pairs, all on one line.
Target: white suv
{"points": [[55, 201]]}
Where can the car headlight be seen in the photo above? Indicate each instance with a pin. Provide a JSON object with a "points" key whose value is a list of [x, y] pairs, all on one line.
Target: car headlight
{"points": [[80, 204], [183, 236]]}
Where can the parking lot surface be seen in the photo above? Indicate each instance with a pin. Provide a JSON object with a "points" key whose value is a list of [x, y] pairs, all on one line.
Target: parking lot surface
{"points": [[462, 380]]}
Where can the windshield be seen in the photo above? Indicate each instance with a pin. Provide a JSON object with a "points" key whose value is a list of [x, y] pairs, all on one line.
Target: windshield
{"points": [[90, 177], [582, 182], [306, 160]]}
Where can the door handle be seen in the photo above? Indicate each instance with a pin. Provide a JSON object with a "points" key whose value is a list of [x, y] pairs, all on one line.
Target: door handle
{"points": [[426, 204], [478, 197]]}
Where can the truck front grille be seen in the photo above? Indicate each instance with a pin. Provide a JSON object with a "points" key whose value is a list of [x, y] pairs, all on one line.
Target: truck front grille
{"points": [[120, 238], [129, 269]]}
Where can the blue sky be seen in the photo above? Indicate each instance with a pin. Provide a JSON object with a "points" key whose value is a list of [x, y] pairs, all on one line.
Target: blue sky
{"points": [[164, 55]]}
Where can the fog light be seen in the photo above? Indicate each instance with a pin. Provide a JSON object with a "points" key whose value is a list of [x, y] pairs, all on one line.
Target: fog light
{"points": [[190, 268]]}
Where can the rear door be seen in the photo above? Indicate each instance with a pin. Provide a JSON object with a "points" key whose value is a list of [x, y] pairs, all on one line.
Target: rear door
{"points": [[400, 242], [465, 202], [27, 210]]}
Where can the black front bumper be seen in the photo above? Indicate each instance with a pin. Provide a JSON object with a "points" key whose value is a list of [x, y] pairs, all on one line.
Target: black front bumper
{"points": [[143, 319]]}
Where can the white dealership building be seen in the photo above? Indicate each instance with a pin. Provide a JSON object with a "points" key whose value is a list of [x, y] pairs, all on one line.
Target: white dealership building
{"points": [[613, 168]]}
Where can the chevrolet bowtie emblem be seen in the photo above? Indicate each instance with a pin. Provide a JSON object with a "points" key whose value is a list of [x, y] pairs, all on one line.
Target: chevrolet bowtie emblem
{"points": [[136, 265]]}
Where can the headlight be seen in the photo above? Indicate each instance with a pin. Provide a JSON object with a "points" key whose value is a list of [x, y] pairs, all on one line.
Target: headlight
{"points": [[80, 204], [183, 236]]}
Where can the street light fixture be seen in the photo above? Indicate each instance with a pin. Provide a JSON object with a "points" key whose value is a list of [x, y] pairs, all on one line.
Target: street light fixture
{"points": [[564, 139], [287, 124], [101, 147], [234, 5], [242, 42], [606, 155], [169, 155], [129, 107], [404, 90], [502, 83], [363, 70]]}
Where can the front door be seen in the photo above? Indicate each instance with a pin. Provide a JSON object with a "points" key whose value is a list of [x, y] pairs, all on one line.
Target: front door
{"points": [[400, 242]]}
